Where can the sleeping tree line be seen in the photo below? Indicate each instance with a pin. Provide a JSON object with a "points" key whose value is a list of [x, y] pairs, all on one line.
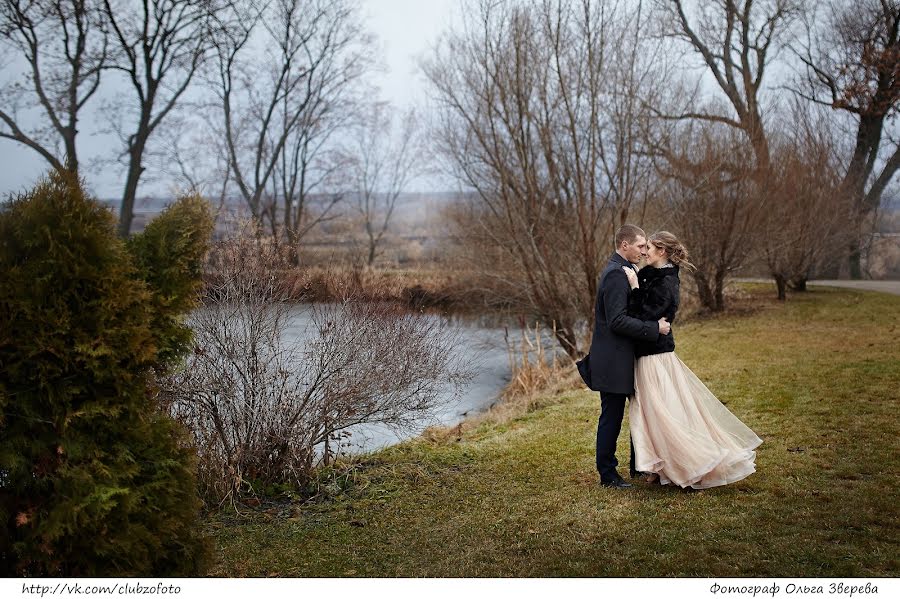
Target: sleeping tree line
{"points": [[754, 129]]}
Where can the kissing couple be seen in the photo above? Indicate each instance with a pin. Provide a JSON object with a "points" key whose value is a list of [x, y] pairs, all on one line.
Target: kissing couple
{"points": [[680, 433]]}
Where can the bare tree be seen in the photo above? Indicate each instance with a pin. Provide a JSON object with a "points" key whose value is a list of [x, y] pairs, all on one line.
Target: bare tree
{"points": [[736, 41], [267, 407], [191, 155], [64, 43], [280, 106], [851, 55], [804, 218], [714, 204], [539, 115], [159, 48], [384, 159], [307, 177], [719, 190]]}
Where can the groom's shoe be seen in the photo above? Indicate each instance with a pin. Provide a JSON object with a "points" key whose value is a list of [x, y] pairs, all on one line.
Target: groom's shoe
{"points": [[616, 483]]}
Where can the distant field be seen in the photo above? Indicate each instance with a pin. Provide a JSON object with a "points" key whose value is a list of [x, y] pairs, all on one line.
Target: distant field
{"points": [[818, 378]]}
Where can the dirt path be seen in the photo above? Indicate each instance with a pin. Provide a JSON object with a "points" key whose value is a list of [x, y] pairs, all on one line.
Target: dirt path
{"points": [[883, 286], [892, 287]]}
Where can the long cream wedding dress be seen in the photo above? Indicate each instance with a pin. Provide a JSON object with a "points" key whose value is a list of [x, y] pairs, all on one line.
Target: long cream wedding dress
{"points": [[682, 432]]}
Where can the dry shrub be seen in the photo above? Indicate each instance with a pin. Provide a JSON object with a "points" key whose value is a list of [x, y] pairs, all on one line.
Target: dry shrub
{"points": [[533, 369], [713, 199], [334, 282], [444, 289], [806, 214], [265, 410]]}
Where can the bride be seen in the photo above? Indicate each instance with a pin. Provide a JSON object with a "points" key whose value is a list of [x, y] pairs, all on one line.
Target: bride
{"points": [[681, 433]]}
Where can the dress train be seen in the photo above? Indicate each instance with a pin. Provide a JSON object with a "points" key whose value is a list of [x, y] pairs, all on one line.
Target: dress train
{"points": [[682, 432]]}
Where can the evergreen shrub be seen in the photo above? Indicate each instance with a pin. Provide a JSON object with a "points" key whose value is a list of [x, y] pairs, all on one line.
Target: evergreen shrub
{"points": [[95, 479], [169, 255]]}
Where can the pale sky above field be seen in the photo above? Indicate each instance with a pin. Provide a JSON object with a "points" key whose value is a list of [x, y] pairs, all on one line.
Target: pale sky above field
{"points": [[405, 30]]}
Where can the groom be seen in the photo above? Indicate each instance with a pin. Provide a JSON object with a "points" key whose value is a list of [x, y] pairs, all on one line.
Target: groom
{"points": [[612, 349]]}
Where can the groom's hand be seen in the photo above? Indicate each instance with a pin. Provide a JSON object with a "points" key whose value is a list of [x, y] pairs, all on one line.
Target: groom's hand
{"points": [[664, 326]]}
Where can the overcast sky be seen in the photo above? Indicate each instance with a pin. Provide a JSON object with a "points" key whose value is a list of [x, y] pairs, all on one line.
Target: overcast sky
{"points": [[405, 29]]}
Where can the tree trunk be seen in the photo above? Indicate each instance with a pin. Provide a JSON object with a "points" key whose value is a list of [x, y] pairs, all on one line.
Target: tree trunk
{"points": [[126, 213], [371, 259], [868, 137], [293, 244], [705, 292], [855, 261], [567, 340], [760, 144], [720, 294], [71, 156], [781, 286]]}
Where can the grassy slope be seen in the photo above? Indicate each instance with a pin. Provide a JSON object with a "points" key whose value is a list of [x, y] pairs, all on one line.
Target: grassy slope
{"points": [[818, 379]]}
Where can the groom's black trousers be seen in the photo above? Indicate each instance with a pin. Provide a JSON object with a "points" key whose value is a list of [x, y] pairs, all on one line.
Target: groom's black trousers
{"points": [[612, 409]]}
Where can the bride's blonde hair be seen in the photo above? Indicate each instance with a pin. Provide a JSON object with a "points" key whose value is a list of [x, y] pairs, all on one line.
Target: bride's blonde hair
{"points": [[675, 250]]}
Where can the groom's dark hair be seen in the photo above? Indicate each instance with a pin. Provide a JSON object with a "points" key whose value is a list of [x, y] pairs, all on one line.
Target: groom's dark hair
{"points": [[628, 233]]}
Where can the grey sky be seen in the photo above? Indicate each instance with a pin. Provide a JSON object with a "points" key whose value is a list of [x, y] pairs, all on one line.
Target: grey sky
{"points": [[404, 28]]}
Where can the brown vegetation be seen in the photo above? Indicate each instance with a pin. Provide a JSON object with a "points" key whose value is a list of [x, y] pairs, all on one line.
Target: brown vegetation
{"points": [[538, 113], [804, 223], [852, 67], [265, 408], [712, 200]]}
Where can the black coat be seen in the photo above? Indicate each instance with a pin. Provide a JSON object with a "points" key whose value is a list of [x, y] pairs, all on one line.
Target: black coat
{"points": [[611, 358], [657, 297]]}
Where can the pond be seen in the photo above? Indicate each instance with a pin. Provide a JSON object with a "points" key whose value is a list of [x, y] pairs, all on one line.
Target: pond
{"points": [[482, 338]]}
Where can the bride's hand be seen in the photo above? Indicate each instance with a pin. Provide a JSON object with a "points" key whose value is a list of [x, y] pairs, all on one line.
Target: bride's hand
{"points": [[632, 277]]}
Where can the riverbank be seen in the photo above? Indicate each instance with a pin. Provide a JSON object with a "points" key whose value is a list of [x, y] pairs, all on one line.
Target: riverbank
{"points": [[816, 378], [433, 288]]}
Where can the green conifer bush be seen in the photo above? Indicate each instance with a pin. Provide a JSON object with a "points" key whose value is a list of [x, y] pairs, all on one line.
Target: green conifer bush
{"points": [[169, 255], [95, 479]]}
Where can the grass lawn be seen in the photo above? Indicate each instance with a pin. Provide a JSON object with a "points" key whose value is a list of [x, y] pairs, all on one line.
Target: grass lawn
{"points": [[818, 378]]}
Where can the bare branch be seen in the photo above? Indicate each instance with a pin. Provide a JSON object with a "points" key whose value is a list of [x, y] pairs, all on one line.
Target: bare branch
{"points": [[279, 111], [265, 396], [64, 44], [159, 45]]}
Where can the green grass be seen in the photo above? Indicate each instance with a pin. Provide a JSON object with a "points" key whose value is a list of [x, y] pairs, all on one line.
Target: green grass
{"points": [[817, 378]]}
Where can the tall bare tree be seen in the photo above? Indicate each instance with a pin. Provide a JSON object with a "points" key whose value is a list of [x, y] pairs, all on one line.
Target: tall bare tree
{"points": [[307, 177], [282, 81], [736, 41], [191, 156], [538, 114], [64, 43], [713, 201], [384, 160], [851, 55], [717, 153], [160, 46], [804, 220]]}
